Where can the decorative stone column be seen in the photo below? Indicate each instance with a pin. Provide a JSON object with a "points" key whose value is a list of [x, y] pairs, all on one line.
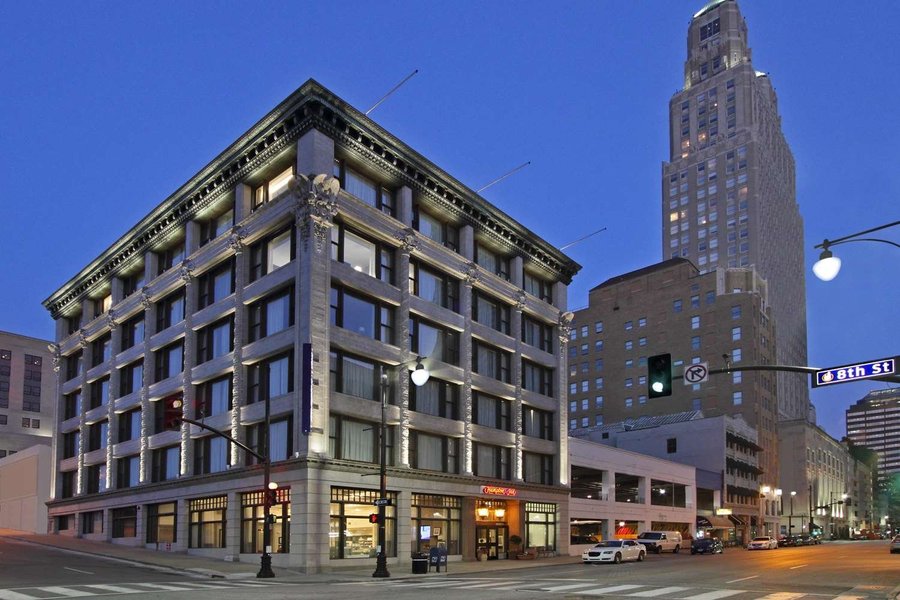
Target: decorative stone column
{"points": [[115, 382], [56, 451], [189, 360], [564, 326], [238, 381], [82, 422], [470, 277], [147, 417], [516, 330], [408, 243]]}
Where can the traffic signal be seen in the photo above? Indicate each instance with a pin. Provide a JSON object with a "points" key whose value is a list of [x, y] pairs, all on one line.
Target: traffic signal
{"points": [[271, 497], [373, 518], [172, 412], [659, 375]]}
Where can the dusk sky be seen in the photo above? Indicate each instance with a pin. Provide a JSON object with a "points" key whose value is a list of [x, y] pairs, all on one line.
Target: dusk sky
{"points": [[108, 107]]}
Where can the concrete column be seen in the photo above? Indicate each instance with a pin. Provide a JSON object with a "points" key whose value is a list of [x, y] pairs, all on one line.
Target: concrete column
{"points": [[80, 483], [516, 331], [409, 242], [117, 290], [243, 202], [191, 238], [140, 525], [239, 381], [190, 360], [467, 242], [560, 296], [467, 408], [115, 382], [151, 266], [561, 391], [182, 523], [149, 369], [315, 154], [405, 206], [516, 272], [233, 531]]}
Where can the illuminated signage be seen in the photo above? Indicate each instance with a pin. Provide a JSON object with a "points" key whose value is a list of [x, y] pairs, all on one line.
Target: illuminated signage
{"points": [[494, 490], [723, 511], [867, 370]]}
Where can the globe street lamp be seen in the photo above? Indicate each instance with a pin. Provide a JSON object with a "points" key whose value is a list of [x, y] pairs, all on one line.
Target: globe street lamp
{"points": [[828, 265], [791, 515], [419, 377]]}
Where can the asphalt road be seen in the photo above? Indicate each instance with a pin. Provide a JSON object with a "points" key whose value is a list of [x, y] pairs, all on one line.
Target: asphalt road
{"points": [[835, 571]]}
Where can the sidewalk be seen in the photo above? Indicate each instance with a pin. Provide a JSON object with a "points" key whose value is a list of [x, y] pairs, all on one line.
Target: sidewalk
{"points": [[198, 566]]}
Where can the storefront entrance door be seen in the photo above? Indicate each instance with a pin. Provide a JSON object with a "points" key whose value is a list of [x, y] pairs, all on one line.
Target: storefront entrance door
{"points": [[491, 540]]}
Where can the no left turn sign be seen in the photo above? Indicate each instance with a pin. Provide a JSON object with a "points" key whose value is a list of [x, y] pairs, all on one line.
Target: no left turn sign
{"points": [[697, 373]]}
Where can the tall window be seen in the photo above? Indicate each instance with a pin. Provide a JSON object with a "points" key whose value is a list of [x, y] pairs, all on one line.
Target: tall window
{"points": [[211, 455], [492, 261], [124, 522], [271, 314], [170, 257], [161, 522], [360, 314], [214, 397], [270, 378], [435, 229], [427, 339], [216, 226], [128, 471], [72, 405], [434, 452], [170, 360], [170, 310], [537, 423], [273, 188], [436, 397], [216, 284], [133, 332], [98, 435], [207, 522], [442, 517], [100, 392], [96, 479], [101, 349], [492, 461], [490, 311], [354, 376], [536, 378], [538, 468], [253, 514], [372, 258], [490, 411], [134, 282], [129, 425], [215, 340], [491, 362], [31, 388], [271, 253], [166, 464], [280, 441], [350, 439], [74, 365], [537, 334], [538, 287], [441, 289], [365, 189], [131, 378], [351, 534]]}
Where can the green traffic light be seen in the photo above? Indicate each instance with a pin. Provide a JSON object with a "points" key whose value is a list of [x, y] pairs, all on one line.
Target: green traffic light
{"points": [[659, 374]]}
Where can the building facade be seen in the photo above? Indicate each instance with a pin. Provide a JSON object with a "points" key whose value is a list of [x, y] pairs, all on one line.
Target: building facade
{"points": [[696, 317], [725, 454], [27, 393], [728, 187], [314, 254], [617, 494], [830, 484], [25, 488]]}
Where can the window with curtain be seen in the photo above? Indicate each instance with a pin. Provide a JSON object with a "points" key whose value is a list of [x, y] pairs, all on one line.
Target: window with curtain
{"points": [[270, 378], [434, 452], [280, 440], [354, 376], [430, 340], [491, 362], [436, 397], [490, 312], [438, 288], [538, 468], [351, 439], [362, 315], [492, 461], [491, 411]]}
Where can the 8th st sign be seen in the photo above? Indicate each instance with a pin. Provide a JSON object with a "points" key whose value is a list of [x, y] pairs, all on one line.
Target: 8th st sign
{"points": [[846, 373]]}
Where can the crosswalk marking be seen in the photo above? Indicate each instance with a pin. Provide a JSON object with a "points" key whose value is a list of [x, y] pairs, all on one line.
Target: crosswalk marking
{"points": [[572, 586], [11, 595], [161, 586], [714, 595], [113, 588], [782, 596], [658, 592], [610, 590], [63, 591]]}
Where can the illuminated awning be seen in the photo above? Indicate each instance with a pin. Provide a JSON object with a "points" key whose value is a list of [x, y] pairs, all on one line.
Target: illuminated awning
{"points": [[713, 522]]}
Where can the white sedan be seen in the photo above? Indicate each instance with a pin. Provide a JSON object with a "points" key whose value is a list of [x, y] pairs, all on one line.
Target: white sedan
{"points": [[614, 551], [763, 543]]}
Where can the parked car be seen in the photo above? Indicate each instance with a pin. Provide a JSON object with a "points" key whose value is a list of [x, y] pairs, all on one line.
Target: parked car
{"points": [[895, 544], [763, 542], [707, 545], [614, 551], [659, 541], [808, 540], [790, 540]]}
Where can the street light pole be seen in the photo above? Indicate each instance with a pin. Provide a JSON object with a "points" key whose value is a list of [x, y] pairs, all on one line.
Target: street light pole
{"points": [[265, 567], [381, 569], [791, 516]]}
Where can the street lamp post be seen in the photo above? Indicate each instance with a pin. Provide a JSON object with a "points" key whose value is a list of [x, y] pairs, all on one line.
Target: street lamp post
{"points": [[764, 497], [419, 377], [265, 566], [791, 515], [828, 265]]}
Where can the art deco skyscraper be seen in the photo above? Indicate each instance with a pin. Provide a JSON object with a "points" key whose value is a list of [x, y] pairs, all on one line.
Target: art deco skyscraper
{"points": [[729, 190]]}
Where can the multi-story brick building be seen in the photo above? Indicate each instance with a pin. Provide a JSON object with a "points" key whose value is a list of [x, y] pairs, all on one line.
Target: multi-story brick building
{"points": [[721, 317], [316, 227]]}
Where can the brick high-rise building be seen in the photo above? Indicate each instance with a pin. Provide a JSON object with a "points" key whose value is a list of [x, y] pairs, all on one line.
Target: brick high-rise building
{"points": [[728, 188]]}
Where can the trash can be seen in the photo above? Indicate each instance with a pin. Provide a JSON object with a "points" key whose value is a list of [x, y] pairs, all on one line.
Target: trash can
{"points": [[419, 564]]}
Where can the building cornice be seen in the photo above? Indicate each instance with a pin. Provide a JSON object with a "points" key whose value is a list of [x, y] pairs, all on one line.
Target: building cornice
{"points": [[310, 107]]}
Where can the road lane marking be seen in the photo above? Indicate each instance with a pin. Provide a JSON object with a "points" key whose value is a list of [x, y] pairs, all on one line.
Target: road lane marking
{"points": [[715, 595], [783, 596], [492, 584], [162, 586], [571, 586], [799, 567], [62, 591], [742, 579], [609, 590], [11, 595], [659, 592], [78, 570], [115, 588]]}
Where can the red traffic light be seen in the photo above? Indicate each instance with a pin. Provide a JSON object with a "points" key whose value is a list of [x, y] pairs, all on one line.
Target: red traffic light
{"points": [[172, 412], [373, 518]]}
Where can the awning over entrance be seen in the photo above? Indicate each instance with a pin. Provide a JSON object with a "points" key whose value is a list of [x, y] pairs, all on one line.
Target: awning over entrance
{"points": [[714, 522], [738, 522]]}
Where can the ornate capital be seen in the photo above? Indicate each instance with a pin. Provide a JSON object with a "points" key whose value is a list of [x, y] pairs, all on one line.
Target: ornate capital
{"points": [[408, 239], [146, 302], [236, 239], [316, 206], [111, 319], [186, 271], [564, 324], [55, 355], [520, 300], [470, 274]]}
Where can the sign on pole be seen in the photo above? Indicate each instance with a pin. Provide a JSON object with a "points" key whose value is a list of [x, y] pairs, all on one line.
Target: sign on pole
{"points": [[696, 373], [845, 373], [382, 502]]}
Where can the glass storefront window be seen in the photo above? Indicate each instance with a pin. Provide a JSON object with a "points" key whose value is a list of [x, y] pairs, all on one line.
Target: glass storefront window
{"points": [[252, 517], [350, 534], [207, 522], [436, 523], [161, 523], [540, 525]]}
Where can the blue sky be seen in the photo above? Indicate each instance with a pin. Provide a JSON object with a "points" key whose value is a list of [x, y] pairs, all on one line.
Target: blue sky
{"points": [[109, 106]]}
